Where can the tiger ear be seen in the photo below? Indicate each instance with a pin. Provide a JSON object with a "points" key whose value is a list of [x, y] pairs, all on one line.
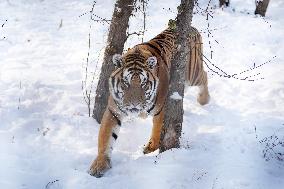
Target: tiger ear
{"points": [[117, 60], [152, 61]]}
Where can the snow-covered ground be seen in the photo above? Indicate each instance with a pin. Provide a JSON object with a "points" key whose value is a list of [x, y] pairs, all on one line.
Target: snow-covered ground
{"points": [[48, 141]]}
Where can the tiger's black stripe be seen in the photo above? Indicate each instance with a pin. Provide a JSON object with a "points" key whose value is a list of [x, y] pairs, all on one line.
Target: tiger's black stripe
{"points": [[152, 107], [114, 136]]}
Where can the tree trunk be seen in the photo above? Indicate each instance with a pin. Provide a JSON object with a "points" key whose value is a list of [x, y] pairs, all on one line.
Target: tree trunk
{"points": [[224, 2], [116, 38], [173, 119], [261, 7]]}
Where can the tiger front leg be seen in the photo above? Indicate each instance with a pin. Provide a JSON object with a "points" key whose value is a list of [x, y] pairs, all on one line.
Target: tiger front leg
{"points": [[107, 135], [154, 142]]}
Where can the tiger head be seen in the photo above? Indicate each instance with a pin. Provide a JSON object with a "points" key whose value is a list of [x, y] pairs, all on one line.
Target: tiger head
{"points": [[133, 85]]}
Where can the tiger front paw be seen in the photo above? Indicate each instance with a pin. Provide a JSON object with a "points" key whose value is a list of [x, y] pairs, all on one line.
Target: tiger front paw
{"points": [[99, 166], [151, 146]]}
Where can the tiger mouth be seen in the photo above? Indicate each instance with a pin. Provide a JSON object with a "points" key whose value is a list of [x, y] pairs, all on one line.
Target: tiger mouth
{"points": [[134, 110], [148, 107]]}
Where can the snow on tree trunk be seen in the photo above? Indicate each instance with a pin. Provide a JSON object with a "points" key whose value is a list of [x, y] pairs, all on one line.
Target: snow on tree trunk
{"points": [[261, 7], [116, 38], [224, 2], [173, 119]]}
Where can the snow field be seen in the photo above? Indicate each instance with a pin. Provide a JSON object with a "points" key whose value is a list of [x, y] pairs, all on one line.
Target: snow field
{"points": [[48, 141]]}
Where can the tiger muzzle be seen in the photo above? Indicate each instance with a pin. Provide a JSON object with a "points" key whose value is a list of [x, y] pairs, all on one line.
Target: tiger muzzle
{"points": [[134, 98]]}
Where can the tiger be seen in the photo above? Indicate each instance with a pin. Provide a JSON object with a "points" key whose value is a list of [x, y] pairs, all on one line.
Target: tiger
{"points": [[139, 86]]}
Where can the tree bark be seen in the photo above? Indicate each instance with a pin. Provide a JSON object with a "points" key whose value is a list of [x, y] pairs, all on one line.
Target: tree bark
{"points": [[173, 119], [224, 2], [116, 38], [261, 7]]}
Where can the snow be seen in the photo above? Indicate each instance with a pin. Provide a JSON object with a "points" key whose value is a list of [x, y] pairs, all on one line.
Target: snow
{"points": [[47, 139], [176, 96]]}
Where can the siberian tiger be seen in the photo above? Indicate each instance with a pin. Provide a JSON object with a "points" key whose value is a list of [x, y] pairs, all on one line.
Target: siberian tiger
{"points": [[139, 85]]}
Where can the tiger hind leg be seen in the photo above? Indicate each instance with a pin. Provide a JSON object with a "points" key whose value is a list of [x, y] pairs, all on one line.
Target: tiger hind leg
{"points": [[196, 76], [203, 95], [202, 83]]}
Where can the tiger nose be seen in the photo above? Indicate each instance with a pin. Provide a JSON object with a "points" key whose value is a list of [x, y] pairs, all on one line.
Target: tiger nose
{"points": [[137, 98], [135, 107], [135, 104]]}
